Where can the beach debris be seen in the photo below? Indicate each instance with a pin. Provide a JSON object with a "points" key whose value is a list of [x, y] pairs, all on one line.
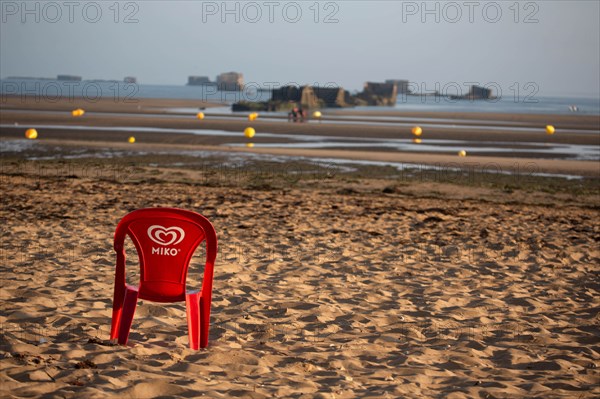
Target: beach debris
{"points": [[249, 132], [550, 129], [86, 364], [417, 140], [317, 114], [77, 112], [131, 140], [31, 134], [253, 116], [98, 341], [462, 153], [417, 131], [249, 145], [200, 115], [76, 382]]}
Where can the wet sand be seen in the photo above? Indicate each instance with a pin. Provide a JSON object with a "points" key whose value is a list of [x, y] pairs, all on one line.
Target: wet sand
{"points": [[155, 143], [573, 129], [330, 129]]}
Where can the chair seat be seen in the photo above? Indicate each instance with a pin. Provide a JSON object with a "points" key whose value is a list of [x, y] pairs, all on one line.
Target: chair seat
{"points": [[160, 291]]}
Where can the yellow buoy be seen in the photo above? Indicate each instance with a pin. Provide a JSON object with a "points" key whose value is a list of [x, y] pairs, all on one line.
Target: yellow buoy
{"points": [[131, 140], [417, 131], [462, 153], [31, 134], [417, 140], [550, 129], [200, 115], [317, 114], [249, 132], [249, 145], [253, 116], [77, 112]]}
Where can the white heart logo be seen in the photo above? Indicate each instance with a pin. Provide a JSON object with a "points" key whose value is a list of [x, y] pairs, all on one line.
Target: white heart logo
{"points": [[166, 236]]}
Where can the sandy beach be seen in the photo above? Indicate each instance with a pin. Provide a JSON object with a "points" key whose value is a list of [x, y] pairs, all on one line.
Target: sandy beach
{"points": [[332, 281]]}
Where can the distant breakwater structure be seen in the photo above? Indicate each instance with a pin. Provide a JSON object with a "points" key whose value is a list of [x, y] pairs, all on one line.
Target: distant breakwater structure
{"points": [[227, 81], [373, 94]]}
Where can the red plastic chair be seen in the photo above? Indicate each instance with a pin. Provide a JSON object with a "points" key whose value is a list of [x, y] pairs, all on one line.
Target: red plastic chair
{"points": [[165, 240]]}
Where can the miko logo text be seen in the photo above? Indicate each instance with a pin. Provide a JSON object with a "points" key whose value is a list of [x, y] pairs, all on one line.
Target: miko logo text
{"points": [[165, 236]]}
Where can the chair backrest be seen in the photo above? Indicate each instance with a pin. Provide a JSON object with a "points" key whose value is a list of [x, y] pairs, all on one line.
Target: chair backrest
{"points": [[165, 240]]}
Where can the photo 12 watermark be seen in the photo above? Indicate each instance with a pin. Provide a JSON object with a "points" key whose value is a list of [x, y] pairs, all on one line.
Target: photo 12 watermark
{"points": [[469, 172], [70, 171], [450, 332], [401, 332], [246, 255], [453, 12], [253, 12], [454, 92], [257, 91], [240, 173], [70, 90], [54, 12]]}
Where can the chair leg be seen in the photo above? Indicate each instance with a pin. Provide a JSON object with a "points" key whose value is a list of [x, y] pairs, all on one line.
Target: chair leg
{"points": [[127, 312], [192, 305], [118, 295], [204, 321], [116, 321]]}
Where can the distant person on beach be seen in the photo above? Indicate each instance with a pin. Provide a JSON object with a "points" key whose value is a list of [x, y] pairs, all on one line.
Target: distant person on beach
{"points": [[293, 115], [297, 114], [301, 115]]}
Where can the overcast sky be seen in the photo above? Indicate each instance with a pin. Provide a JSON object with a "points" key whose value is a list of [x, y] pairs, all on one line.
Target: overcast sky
{"points": [[551, 46]]}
